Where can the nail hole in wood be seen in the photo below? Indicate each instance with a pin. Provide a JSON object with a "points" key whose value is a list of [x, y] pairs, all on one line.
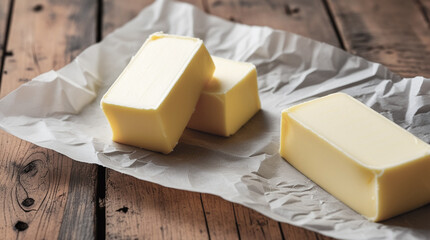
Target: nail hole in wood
{"points": [[290, 10], [123, 209], [38, 8]]}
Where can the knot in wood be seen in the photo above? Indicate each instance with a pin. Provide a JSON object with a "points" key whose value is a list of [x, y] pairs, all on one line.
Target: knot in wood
{"points": [[28, 202], [21, 226]]}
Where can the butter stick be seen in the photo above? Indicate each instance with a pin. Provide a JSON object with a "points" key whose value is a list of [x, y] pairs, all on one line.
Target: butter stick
{"points": [[228, 100], [371, 164], [151, 102]]}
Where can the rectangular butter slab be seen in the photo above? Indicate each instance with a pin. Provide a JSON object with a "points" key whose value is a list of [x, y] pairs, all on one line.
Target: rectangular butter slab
{"points": [[228, 100], [151, 102], [368, 162]]}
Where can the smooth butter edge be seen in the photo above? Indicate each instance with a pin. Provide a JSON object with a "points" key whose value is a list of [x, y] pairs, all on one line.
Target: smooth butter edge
{"points": [[378, 171]]}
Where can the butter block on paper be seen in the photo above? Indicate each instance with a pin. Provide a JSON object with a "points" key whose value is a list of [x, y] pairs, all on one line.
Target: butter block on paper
{"points": [[368, 162], [228, 100], [151, 102]]}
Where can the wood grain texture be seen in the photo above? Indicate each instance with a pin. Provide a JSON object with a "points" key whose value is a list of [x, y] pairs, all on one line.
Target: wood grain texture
{"points": [[137, 209], [47, 195], [117, 13], [220, 218], [395, 33], [297, 234], [4, 13], [253, 225], [294, 233], [305, 17], [424, 6]]}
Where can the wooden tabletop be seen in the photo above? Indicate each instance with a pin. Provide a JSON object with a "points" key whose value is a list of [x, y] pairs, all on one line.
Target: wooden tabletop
{"points": [[45, 195]]}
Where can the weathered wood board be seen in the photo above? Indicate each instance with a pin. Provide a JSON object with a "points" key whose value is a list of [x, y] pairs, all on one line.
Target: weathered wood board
{"points": [[45, 195], [395, 33]]}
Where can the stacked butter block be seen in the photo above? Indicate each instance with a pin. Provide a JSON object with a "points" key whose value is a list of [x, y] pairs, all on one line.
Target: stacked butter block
{"points": [[151, 102], [228, 100]]}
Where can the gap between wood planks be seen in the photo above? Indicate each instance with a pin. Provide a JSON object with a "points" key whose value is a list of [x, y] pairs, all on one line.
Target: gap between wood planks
{"points": [[204, 214], [100, 218], [334, 25], [6, 37], [424, 11]]}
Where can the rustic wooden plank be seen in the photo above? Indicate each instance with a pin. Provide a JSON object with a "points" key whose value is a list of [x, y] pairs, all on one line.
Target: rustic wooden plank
{"points": [[139, 209], [253, 225], [294, 233], [304, 17], [424, 6], [395, 33], [220, 218], [4, 13], [45, 195], [117, 13]]}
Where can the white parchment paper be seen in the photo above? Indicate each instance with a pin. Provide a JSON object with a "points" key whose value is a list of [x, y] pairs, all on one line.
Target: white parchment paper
{"points": [[60, 110]]}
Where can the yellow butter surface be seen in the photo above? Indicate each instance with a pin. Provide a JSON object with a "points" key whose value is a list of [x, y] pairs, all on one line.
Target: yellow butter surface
{"points": [[228, 100], [151, 102], [368, 162]]}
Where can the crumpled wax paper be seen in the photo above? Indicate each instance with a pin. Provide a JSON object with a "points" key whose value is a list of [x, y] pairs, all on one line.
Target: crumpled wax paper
{"points": [[60, 110]]}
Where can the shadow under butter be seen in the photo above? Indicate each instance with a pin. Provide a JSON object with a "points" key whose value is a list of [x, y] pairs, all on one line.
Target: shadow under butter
{"points": [[258, 131], [416, 219]]}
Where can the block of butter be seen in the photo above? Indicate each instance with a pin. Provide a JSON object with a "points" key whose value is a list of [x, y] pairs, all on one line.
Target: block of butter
{"points": [[368, 162], [228, 100], [151, 102]]}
